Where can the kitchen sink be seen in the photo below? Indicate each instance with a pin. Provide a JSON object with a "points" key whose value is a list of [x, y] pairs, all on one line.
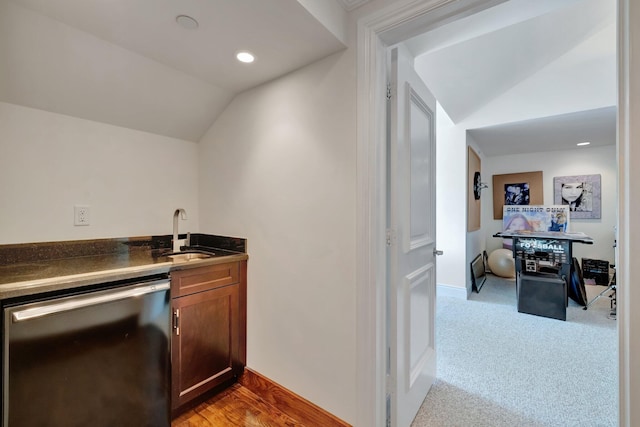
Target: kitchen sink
{"points": [[189, 256]]}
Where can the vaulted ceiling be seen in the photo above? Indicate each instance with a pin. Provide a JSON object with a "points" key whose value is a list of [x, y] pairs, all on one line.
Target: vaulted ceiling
{"points": [[526, 76], [129, 63]]}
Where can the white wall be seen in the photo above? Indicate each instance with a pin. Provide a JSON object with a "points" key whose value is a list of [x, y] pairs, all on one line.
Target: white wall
{"points": [[278, 167], [579, 161], [131, 180], [451, 204], [476, 242]]}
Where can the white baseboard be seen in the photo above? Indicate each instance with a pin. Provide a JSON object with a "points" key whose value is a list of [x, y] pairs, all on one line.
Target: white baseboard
{"points": [[451, 291]]}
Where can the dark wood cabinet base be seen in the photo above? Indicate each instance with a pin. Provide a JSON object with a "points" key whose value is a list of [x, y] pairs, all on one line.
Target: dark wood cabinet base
{"points": [[209, 321]]}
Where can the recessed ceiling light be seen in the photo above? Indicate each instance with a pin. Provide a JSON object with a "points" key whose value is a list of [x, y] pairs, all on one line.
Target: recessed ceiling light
{"points": [[580, 144], [246, 57], [187, 22]]}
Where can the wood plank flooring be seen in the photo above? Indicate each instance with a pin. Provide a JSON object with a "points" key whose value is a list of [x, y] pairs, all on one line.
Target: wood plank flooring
{"points": [[235, 406], [256, 401]]}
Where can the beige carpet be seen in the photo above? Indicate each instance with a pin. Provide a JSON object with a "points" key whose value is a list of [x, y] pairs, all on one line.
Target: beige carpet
{"points": [[498, 367]]}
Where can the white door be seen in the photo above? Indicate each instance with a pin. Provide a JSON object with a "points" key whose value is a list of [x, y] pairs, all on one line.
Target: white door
{"points": [[411, 288]]}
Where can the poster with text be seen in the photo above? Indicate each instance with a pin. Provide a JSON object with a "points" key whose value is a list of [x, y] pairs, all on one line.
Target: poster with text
{"points": [[535, 218]]}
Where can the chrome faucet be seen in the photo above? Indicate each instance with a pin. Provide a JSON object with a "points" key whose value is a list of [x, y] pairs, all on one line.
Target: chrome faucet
{"points": [[177, 243]]}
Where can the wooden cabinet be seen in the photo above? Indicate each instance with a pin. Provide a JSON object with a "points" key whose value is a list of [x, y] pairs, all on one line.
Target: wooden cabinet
{"points": [[208, 346]]}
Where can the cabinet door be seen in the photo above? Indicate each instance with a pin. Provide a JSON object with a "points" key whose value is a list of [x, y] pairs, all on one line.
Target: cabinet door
{"points": [[204, 343]]}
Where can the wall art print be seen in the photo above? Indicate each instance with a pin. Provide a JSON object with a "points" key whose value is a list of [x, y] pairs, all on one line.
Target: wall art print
{"points": [[516, 193], [582, 193], [516, 189]]}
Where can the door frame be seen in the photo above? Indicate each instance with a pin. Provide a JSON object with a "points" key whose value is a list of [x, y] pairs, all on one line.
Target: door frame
{"points": [[628, 242], [394, 24]]}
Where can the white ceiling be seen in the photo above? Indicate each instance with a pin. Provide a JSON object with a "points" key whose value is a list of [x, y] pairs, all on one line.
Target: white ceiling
{"points": [[552, 133], [128, 63], [352, 4], [472, 62], [281, 33]]}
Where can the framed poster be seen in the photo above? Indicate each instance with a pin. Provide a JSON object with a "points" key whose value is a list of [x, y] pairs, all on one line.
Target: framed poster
{"points": [[516, 189], [536, 218], [582, 193]]}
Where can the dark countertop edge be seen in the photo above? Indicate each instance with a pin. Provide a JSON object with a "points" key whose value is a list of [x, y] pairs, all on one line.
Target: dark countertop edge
{"points": [[174, 266], [48, 251], [59, 283]]}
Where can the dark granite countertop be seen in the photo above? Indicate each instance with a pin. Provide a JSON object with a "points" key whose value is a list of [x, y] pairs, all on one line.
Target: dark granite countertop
{"points": [[33, 268]]}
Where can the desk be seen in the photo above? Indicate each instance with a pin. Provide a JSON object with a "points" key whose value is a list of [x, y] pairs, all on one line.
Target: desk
{"points": [[543, 262]]}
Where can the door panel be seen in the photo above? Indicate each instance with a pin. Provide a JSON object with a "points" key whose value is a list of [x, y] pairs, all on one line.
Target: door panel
{"points": [[204, 342], [421, 128], [412, 267], [418, 314]]}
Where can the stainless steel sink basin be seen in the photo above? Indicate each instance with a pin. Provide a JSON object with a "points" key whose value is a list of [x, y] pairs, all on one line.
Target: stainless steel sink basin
{"points": [[189, 256]]}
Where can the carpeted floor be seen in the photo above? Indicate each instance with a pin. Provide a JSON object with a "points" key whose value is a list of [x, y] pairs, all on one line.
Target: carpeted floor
{"points": [[498, 367]]}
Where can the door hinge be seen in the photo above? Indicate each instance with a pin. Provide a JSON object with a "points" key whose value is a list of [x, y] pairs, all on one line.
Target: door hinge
{"points": [[388, 415], [176, 321], [388, 90], [388, 360], [390, 236]]}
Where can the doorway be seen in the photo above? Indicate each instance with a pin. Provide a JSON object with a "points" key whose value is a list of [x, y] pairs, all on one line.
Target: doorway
{"points": [[379, 31]]}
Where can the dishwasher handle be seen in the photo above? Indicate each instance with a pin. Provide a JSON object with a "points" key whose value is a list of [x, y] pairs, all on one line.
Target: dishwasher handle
{"points": [[87, 301]]}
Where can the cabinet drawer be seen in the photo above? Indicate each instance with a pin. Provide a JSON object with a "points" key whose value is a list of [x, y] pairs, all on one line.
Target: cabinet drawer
{"points": [[185, 282]]}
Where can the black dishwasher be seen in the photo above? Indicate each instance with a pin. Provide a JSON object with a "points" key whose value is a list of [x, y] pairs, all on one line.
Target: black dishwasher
{"points": [[99, 358]]}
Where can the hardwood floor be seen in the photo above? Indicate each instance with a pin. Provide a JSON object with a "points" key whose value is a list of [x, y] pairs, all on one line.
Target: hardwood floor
{"points": [[255, 401], [235, 406]]}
